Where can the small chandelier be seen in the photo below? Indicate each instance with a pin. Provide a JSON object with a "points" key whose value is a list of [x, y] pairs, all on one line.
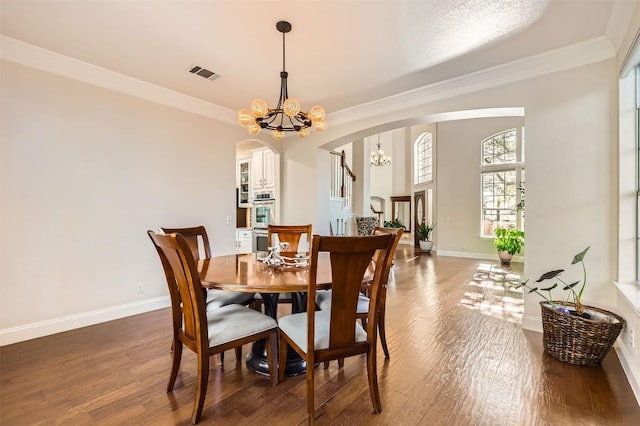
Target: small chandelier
{"points": [[378, 158], [286, 116]]}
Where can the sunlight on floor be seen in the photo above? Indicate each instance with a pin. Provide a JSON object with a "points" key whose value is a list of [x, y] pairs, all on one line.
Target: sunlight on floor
{"points": [[493, 293]]}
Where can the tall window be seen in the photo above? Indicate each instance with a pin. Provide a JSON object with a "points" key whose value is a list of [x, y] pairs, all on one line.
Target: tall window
{"points": [[423, 155], [502, 181]]}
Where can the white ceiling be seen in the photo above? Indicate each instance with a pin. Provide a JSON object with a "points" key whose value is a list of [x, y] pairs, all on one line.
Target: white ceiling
{"points": [[339, 53]]}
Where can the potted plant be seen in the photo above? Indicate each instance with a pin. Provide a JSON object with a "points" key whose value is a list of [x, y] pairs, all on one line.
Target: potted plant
{"points": [[508, 242], [423, 232], [573, 332]]}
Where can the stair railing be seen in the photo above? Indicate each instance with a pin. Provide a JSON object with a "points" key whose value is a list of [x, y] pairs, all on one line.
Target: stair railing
{"points": [[342, 178]]}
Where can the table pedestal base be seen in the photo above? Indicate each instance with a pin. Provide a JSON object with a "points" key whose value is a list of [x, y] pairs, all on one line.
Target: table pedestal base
{"points": [[257, 359]]}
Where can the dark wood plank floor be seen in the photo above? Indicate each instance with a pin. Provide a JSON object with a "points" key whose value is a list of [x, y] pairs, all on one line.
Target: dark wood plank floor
{"points": [[458, 357]]}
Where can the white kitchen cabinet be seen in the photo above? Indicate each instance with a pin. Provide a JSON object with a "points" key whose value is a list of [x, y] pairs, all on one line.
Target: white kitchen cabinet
{"points": [[244, 183], [263, 170], [244, 242]]}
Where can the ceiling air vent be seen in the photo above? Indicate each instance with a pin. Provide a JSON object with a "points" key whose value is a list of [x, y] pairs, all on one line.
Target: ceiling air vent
{"points": [[203, 72]]}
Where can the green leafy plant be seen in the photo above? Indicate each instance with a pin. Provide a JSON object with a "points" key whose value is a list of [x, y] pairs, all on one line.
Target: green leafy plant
{"points": [[395, 223], [520, 205], [573, 295], [509, 240], [424, 231]]}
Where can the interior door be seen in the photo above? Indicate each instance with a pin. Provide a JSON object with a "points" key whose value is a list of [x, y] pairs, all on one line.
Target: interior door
{"points": [[420, 212]]}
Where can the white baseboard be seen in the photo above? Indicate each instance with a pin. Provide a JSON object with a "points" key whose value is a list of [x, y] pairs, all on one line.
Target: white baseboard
{"points": [[532, 323], [71, 322], [483, 256], [633, 375]]}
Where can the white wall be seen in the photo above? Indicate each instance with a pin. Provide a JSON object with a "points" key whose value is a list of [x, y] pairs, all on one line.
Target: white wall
{"points": [[458, 181], [302, 186], [85, 172], [382, 177], [402, 166], [571, 132], [361, 149]]}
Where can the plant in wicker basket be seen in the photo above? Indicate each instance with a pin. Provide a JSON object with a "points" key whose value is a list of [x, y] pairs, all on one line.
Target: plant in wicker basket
{"points": [[573, 332], [576, 296]]}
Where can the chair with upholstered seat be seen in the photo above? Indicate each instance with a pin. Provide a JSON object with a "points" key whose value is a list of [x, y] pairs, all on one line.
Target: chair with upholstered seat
{"points": [[323, 298], [320, 336], [198, 241], [205, 332]]}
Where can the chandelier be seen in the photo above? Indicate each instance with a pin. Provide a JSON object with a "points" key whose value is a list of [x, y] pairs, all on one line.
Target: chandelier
{"points": [[378, 158], [286, 116]]}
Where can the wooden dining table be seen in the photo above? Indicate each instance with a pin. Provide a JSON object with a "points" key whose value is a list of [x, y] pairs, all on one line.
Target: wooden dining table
{"points": [[245, 273]]}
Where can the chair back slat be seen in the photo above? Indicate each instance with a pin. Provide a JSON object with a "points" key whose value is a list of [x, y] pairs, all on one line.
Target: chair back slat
{"points": [[290, 234], [347, 270], [185, 288], [193, 236]]}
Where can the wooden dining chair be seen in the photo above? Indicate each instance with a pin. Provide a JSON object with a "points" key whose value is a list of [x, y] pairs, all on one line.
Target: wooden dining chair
{"points": [[205, 332], [320, 336], [323, 298], [197, 239]]}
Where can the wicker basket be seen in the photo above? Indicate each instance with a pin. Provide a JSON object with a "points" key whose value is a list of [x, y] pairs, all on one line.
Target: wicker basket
{"points": [[577, 340]]}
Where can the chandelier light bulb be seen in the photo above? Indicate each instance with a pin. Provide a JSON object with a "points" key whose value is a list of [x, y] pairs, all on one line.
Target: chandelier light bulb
{"points": [[320, 125], [291, 107], [277, 134], [253, 129], [303, 133], [245, 117], [317, 113], [259, 108]]}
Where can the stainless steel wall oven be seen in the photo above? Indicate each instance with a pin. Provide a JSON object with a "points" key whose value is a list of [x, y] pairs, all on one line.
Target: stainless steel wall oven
{"points": [[263, 214]]}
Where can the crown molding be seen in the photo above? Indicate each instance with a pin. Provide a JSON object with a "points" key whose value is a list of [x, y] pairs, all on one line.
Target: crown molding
{"points": [[584, 53], [36, 57], [576, 55]]}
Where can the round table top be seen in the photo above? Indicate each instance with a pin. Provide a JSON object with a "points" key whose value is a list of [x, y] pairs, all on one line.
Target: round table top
{"points": [[243, 272]]}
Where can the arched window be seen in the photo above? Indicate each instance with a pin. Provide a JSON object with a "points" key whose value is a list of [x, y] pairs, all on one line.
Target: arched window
{"points": [[423, 158], [502, 181]]}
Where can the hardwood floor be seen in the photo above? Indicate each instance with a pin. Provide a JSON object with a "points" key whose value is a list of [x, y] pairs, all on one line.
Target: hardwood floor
{"points": [[458, 357]]}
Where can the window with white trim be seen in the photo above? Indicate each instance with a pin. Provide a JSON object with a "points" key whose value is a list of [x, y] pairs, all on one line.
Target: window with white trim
{"points": [[423, 158], [502, 181]]}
